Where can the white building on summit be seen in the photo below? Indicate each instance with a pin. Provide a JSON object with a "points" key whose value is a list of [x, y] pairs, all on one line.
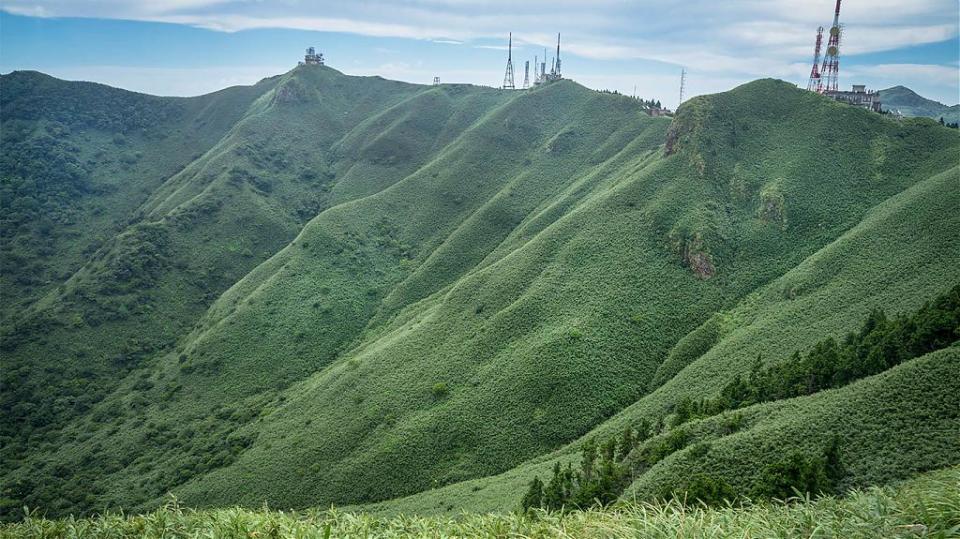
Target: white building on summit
{"points": [[312, 57]]}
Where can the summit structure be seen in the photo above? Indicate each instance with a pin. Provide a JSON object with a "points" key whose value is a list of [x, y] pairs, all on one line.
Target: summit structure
{"points": [[508, 74]]}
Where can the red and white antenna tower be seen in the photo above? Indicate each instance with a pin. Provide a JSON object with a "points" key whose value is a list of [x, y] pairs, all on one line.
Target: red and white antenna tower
{"points": [[814, 84], [831, 61], [508, 74]]}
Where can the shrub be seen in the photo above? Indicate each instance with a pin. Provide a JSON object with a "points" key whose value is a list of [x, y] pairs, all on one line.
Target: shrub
{"points": [[707, 490], [439, 391], [803, 474]]}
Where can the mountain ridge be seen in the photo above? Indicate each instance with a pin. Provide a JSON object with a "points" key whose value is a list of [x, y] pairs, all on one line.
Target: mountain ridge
{"points": [[911, 103], [423, 286]]}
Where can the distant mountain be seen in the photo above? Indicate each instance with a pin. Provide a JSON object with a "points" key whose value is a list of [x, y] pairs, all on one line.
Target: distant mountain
{"points": [[910, 103], [325, 289]]}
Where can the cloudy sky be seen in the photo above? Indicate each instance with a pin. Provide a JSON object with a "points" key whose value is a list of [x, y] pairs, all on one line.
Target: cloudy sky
{"points": [[188, 47]]}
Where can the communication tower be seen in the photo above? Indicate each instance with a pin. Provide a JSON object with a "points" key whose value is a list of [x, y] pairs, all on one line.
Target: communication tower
{"points": [[508, 74], [814, 83], [555, 73], [830, 70], [683, 84]]}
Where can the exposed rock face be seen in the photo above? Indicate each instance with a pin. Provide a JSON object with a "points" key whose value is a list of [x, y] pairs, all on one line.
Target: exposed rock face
{"points": [[290, 92], [670, 147], [701, 264], [694, 255], [772, 209]]}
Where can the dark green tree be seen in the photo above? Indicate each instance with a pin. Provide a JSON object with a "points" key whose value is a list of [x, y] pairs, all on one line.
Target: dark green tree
{"points": [[533, 499], [553, 495], [626, 443], [588, 459], [707, 490]]}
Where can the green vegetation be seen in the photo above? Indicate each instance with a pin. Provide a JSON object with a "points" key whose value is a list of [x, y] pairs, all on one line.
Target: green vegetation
{"points": [[600, 480], [880, 344], [909, 103], [326, 289], [924, 507], [605, 474]]}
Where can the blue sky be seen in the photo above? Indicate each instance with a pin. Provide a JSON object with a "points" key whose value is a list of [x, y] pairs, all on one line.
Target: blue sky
{"points": [[189, 47]]}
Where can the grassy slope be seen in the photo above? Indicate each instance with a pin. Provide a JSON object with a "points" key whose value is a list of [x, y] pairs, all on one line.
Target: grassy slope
{"points": [[197, 234], [318, 293], [496, 298], [539, 321], [118, 146], [926, 506], [902, 253]]}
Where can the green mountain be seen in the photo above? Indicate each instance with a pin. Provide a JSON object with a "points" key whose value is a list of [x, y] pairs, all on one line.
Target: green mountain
{"points": [[325, 289], [909, 103]]}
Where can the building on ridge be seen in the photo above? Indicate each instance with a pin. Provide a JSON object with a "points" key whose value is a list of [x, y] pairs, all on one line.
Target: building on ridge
{"points": [[312, 57], [859, 96]]}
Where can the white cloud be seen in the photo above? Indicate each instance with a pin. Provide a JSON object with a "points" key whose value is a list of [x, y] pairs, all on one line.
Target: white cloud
{"points": [[735, 39], [741, 27], [496, 47], [933, 73]]}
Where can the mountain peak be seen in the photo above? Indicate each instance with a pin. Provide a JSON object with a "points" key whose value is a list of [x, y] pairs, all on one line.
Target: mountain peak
{"points": [[910, 103]]}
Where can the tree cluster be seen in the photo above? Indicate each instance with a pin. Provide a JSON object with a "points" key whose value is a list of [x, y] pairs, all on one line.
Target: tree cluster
{"points": [[803, 474], [645, 103], [600, 479], [881, 343]]}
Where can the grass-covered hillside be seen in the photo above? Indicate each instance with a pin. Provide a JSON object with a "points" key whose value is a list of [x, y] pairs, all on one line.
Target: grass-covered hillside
{"points": [[80, 158], [366, 291]]}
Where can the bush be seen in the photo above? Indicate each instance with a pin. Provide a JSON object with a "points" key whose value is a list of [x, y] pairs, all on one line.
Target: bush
{"points": [[439, 391], [707, 490], [798, 473]]}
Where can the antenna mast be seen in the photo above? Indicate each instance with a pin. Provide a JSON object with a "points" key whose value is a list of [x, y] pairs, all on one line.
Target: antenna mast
{"points": [[543, 66], [508, 74], [526, 74], [683, 84], [557, 73], [831, 62], [814, 84]]}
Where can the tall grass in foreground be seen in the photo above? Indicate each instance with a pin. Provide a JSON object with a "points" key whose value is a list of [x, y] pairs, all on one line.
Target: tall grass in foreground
{"points": [[928, 506]]}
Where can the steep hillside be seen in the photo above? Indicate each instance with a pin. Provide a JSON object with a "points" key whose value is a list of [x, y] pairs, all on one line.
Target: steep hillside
{"points": [[191, 237], [79, 159], [893, 425], [909, 103], [367, 290]]}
